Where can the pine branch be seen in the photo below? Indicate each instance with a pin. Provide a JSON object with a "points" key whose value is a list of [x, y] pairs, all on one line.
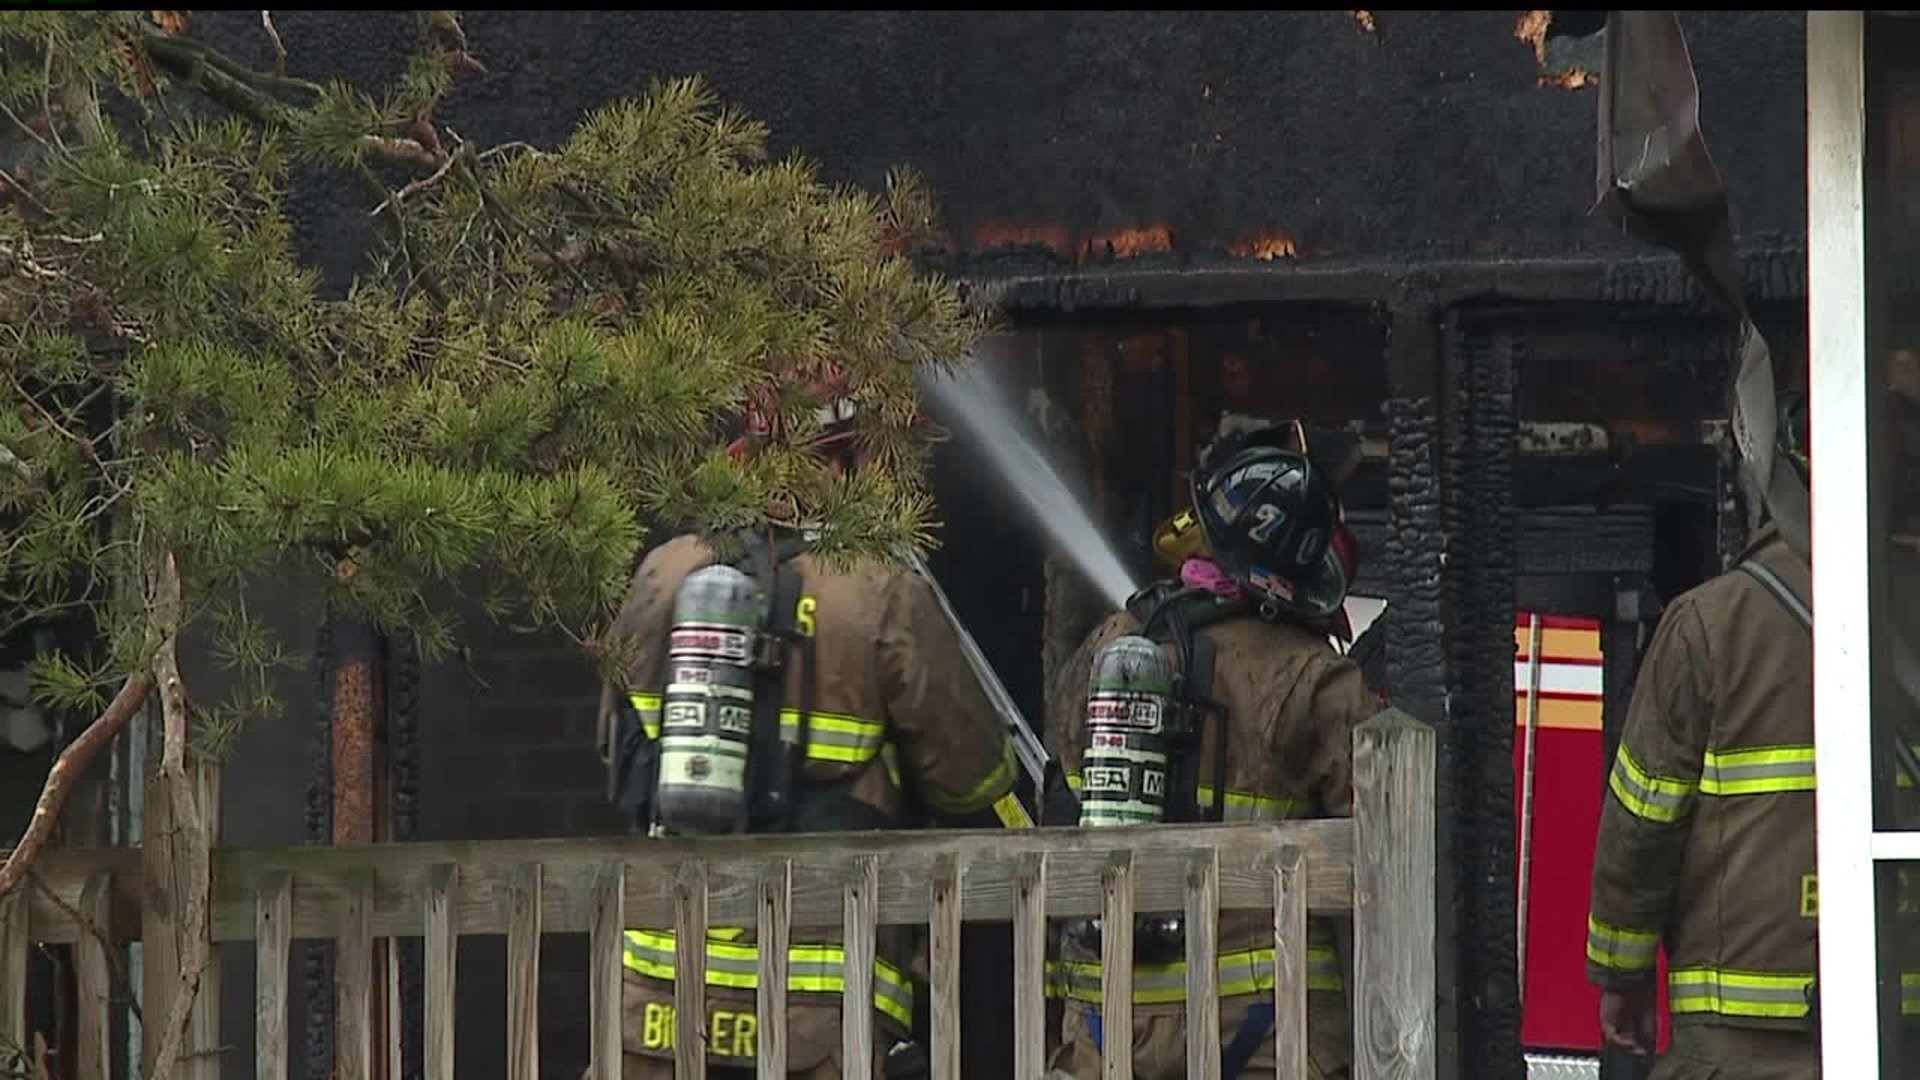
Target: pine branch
{"points": [[273, 35], [175, 46], [415, 187], [209, 71], [25, 192], [396, 223], [190, 62], [509, 223], [67, 770]]}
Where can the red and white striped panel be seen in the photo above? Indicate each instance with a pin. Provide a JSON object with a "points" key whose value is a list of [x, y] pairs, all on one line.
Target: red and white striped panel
{"points": [[1570, 690]]}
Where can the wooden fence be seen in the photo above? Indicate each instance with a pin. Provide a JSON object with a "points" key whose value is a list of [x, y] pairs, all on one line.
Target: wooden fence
{"points": [[1379, 866]]}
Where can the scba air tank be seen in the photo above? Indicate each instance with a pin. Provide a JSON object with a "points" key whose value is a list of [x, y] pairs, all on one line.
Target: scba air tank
{"points": [[1123, 773], [706, 722]]}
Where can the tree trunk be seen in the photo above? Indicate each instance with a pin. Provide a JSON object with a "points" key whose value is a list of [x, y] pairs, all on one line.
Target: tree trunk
{"points": [[180, 989]]}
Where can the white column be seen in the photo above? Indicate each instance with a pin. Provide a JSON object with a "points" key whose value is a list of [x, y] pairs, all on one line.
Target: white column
{"points": [[1842, 675]]}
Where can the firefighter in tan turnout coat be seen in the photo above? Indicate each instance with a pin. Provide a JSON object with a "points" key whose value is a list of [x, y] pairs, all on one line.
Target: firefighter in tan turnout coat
{"points": [[1707, 841], [895, 728], [1247, 630]]}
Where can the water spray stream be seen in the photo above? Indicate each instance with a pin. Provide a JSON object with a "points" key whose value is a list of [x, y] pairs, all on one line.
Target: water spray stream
{"points": [[967, 398]]}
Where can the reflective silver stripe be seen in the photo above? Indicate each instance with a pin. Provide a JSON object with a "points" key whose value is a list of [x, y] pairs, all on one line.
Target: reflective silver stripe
{"points": [[1759, 771], [1246, 971], [1738, 993], [813, 968], [1656, 798], [831, 736], [1621, 948], [835, 736]]}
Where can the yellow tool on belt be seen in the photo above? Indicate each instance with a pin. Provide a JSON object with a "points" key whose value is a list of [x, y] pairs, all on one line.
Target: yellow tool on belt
{"points": [[1179, 538]]}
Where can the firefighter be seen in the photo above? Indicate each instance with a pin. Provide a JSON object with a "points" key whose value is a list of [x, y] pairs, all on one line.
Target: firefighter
{"points": [[857, 665], [1706, 842], [1257, 715]]}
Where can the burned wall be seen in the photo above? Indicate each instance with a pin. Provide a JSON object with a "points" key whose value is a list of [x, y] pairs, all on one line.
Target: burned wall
{"points": [[1215, 139], [1322, 136]]}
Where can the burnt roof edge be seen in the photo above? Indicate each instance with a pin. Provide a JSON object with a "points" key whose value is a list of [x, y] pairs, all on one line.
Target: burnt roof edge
{"points": [[1772, 274]]}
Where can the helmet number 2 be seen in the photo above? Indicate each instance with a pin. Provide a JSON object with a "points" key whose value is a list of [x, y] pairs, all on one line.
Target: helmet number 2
{"points": [[1266, 518]]}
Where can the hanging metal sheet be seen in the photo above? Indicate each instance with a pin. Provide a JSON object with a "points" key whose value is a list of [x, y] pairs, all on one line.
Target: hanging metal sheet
{"points": [[1657, 177]]}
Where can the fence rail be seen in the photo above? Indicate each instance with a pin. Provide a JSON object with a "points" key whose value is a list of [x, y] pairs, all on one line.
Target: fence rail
{"points": [[1378, 865]]}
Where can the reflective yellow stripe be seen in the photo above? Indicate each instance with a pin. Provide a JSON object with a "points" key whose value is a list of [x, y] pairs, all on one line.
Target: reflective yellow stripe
{"points": [[1656, 798], [836, 737], [648, 706], [1738, 993], [1247, 971], [996, 783], [810, 968], [1249, 806], [1240, 805], [1620, 948], [1910, 993], [1762, 770], [1011, 812], [890, 757]]}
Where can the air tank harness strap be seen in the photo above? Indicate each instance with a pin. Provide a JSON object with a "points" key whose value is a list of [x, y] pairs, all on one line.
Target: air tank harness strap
{"points": [[772, 802], [1233, 1057], [1802, 612], [1181, 614]]}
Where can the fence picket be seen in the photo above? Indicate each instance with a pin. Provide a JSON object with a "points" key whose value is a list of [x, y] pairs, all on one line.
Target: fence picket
{"points": [[1116, 968], [607, 944], [442, 948], [776, 931], [353, 965], [1393, 868], [862, 917], [1029, 966], [15, 945], [945, 960], [523, 974], [690, 968], [93, 978], [1203, 969], [1289, 965], [274, 936]]}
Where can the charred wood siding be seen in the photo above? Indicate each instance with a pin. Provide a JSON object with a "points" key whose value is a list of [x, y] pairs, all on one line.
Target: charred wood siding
{"points": [[316, 959], [403, 736], [1477, 592], [1451, 566], [1416, 631], [1254, 137]]}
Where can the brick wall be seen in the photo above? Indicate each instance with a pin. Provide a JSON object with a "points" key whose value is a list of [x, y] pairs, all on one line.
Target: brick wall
{"points": [[507, 752], [517, 758]]}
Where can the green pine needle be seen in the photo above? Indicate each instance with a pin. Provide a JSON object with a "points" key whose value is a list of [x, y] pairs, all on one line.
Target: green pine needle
{"points": [[541, 361]]}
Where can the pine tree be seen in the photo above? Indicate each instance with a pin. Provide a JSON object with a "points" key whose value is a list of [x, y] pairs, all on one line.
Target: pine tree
{"points": [[537, 367]]}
